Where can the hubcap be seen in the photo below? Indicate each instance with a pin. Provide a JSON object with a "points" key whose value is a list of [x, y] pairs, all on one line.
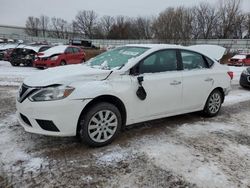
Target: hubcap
{"points": [[214, 103], [102, 126]]}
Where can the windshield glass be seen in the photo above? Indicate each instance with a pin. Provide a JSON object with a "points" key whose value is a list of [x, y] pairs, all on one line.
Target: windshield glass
{"points": [[116, 58]]}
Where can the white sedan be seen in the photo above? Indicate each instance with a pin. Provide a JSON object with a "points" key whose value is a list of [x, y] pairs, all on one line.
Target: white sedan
{"points": [[127, 85]]}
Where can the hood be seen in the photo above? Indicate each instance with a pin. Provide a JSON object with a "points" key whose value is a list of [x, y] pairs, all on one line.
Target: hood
{"points": [[54, 50], [239, 57], [65, 75], [213, 51]]}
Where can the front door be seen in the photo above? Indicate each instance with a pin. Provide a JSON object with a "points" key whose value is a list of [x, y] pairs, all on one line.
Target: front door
{"points": [[162, 83]]}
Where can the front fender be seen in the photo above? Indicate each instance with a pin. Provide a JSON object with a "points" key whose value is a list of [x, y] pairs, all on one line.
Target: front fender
{"points": [[91, 90]]}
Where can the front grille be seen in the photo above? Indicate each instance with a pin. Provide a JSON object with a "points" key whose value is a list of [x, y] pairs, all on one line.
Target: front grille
{"points": [[25, 92], [25, 119]]}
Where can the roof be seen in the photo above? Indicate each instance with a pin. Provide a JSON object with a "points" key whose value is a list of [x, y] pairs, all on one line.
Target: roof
{"points": [[35, 48], [213, 51], [156, 46]]}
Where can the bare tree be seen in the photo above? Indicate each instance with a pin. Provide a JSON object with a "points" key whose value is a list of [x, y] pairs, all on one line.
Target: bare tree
{"points": [[229, 11], [105, 24], [173, 24], [246, 26], [86, 22], [59, 28], [205, 20], [121, 28], [44, 23], [32, 26], [142, 27]]}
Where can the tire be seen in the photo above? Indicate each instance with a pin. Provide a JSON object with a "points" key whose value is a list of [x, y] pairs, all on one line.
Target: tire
{"points": [[28, 63], [83, 61], [213, 104], [100, 125], [62, 63], [14, 64]]}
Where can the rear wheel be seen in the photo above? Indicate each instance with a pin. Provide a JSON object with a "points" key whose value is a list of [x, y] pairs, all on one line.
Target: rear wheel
{"points": [[213, 104], [100, 125], [83, 60]]}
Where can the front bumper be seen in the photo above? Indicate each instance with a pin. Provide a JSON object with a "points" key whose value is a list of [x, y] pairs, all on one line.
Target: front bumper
{"points": [[64, 114], [45, 63], [245, 80]]}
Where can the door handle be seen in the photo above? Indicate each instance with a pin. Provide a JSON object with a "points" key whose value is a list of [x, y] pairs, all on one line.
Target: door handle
{"points": [[209, 80], [174, 83]]}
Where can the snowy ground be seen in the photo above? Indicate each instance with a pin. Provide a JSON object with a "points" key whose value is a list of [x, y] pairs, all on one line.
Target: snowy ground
{"points": [[181, 151], [13, 76]]}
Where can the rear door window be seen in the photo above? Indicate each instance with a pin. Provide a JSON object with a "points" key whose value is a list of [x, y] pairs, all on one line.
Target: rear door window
{"points": [[76, 50], [192, 60], [69, 50]]}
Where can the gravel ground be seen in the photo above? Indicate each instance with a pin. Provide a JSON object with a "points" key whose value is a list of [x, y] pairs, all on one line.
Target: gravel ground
{"points": [[181, 151]]}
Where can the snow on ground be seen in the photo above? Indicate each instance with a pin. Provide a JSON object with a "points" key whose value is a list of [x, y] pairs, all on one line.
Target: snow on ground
{"points": [[13, 76], [237, 96]]}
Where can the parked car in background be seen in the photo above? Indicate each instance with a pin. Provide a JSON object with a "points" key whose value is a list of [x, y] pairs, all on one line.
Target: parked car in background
{"points": [[59, 55], [240, 60], [5, 50], [26, 55], [245, 78], [120, 87]]}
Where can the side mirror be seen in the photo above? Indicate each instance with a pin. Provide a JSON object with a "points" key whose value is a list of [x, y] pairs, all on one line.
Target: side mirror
{"points": [[140, 79]]}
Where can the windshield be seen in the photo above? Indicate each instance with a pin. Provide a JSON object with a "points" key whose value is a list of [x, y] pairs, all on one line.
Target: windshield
{"points": [[116, 58]]}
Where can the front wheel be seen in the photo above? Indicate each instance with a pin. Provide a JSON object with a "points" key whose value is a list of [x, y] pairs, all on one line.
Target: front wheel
{"points": [[213, 104], [100, 125], [62, 63], [14, 64]]}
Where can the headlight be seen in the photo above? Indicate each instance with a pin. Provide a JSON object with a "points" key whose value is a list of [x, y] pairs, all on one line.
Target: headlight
{"points": [[52, 93], [54, 58], [246, 72]]}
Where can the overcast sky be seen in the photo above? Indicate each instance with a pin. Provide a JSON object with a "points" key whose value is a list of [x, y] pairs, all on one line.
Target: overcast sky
{"points": [[15, 12]]}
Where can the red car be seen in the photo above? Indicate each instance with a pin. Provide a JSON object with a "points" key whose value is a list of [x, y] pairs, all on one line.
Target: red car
{"points": [[59, 55], [240, 60]]}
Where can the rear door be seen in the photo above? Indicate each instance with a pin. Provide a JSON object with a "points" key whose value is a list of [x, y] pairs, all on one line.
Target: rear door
{"points": [[77, 55], [197, 79], [69, 55]]}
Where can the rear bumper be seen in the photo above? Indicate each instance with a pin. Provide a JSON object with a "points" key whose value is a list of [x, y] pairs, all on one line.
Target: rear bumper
{"points": [[227, 90]]}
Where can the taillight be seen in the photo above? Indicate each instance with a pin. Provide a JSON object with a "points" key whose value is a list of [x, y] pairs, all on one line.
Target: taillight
{"points": [[229, 60], [240, 60], [230, 74]]}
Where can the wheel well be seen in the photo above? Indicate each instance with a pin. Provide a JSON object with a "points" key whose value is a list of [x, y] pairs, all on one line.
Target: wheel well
{"points": [[222, 92], [106, 98]]}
